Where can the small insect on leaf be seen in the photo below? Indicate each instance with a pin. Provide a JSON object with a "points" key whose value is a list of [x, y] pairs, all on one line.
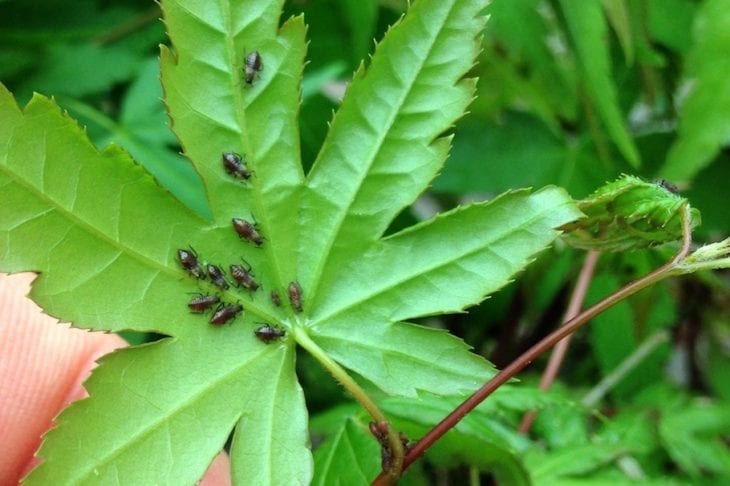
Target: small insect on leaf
{"points": [[244, 277], [225, 313], [217, 277], [201, 303], [189, 261], [267, 333], [275, 298], [379, 431], [252, 66], [667, 185], [295, 296], [235, 166], [247, 231]]}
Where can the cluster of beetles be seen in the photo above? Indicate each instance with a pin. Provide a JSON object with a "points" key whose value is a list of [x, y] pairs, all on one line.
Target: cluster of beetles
{"points": [[222, 313]]}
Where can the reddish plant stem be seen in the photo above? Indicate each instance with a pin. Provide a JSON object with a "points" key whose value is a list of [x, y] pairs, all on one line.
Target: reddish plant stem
{"points": [[558, 354], [549, 341], [525, 359]]}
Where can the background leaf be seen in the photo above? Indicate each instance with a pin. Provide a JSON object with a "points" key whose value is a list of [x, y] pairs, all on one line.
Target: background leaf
{"points": [[361, 17], [349, 456], [588, 30], [618, 332], [704, 125], [520, 27], [618, 15], [142, 129], [693, 436], [69, 69]]}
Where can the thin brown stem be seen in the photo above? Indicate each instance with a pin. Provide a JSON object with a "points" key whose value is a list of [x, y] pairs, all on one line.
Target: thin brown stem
{"points": [[686, 234], [531, 354], [132, 25], [558, 354]]}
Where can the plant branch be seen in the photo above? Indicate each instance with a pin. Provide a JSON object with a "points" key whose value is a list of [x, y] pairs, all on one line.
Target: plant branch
{"points": [[395, 445], [665, 271], [558, 354], [628, 364]]}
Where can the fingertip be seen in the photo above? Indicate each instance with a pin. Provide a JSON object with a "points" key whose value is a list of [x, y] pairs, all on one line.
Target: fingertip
{"points": [[43, 367], [219, 472], [44, 364]]}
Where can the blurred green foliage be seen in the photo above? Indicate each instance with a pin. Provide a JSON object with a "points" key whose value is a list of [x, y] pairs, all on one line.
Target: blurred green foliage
{"points": [[572, 93]]}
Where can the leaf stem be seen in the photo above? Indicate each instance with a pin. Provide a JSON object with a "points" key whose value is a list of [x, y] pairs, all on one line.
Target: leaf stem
{"points": [[394, 442], [558, 354], [626, 366], [665, 271]]}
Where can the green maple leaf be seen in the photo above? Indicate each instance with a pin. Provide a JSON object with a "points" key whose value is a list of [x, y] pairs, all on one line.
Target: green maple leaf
{"points": [[105, 236]]}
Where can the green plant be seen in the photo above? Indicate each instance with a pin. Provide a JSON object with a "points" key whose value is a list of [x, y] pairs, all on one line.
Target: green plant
{"points": [[120, 273], [106, 245]]}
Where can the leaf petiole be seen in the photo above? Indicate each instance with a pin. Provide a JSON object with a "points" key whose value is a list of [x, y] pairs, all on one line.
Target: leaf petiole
{"points": [[395, 445]]}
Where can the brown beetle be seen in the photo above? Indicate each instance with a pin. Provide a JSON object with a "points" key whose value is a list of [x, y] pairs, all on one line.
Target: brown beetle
{"points": [[247, 231], [189, 261], [275, 298], [244, 277], [225, 313], [201, 303], [253, 64], [267, 333], [295, 296], [235, 166], [217, 277]]}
